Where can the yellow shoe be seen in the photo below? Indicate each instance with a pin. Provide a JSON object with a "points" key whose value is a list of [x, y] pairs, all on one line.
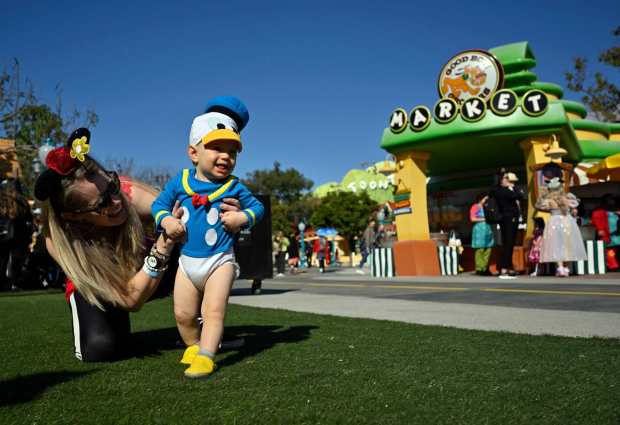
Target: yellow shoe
{"points": [[201, 367], [189, 354]]}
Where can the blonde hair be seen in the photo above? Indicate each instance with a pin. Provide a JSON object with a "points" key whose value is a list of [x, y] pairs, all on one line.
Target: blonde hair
{"points": [[99, 261]]}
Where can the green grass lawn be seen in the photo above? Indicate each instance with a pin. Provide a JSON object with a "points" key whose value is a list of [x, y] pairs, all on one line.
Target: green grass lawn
{"points": [[303, 368]]}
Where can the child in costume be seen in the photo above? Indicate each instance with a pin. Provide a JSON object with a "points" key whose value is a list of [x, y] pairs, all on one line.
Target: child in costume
{"points": [[533, 256], [562, 239], [207, 264]]}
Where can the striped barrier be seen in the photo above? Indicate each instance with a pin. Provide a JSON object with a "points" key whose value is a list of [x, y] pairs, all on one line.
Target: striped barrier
{"points": [[448, 260], [595, 264], [382, 262]]}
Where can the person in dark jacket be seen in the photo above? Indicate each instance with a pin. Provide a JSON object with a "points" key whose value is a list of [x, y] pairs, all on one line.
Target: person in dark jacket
{"points": [[508, 199], [16, 233]]}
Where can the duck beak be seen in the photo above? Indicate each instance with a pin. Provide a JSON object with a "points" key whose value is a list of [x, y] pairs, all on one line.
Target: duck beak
{"points": [[222, 134]]}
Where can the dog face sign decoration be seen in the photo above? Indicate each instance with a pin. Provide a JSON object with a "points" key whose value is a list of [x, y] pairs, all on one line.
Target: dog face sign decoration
{"points": [[472, 73]]}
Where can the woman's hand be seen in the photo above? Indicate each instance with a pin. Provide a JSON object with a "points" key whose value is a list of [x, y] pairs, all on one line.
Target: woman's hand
{"points": [[165, 244], [229, 204], [231, 216]]}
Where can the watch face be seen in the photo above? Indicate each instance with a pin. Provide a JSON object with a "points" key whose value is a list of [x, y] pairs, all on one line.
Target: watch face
{"points": [[151, 261]]}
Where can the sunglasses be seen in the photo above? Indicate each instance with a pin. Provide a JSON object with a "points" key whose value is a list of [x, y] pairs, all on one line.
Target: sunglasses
{"points": [[105, 199]]}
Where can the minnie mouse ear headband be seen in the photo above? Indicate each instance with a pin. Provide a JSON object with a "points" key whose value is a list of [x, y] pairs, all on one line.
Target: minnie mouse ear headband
{"points": [[224, 118], [61, 162]]}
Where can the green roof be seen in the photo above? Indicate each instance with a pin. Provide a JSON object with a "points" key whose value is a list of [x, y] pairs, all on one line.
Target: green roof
{"points": [[493, 141]]}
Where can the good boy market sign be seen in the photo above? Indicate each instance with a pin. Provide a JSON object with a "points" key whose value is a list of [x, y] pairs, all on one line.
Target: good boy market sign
{"points": [[469, 85]]}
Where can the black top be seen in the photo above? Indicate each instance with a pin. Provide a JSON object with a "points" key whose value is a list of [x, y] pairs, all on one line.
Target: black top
{"points": [[293, 248], [507, 200]]}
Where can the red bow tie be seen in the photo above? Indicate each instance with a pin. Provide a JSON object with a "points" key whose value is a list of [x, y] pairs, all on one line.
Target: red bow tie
{"points": [[198, 200]]}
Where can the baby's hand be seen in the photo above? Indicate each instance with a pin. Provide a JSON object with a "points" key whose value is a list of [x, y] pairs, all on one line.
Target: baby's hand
{"points": [[174, 228], [233, 220]]}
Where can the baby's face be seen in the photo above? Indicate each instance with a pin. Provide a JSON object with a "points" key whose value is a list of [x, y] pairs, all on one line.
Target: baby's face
{"points": [[216, 160]]}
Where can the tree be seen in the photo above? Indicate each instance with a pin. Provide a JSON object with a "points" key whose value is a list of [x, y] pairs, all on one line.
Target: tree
{"points": [[30, 122], [35, 123], [288, 190], [284, 185], [347, 212], [601, 96]]}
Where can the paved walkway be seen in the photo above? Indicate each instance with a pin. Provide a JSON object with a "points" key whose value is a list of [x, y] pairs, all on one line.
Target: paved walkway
{"points": [[298, 293]]}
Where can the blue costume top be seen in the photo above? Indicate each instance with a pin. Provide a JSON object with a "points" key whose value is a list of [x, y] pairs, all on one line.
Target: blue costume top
{"points": [[206, 235]]}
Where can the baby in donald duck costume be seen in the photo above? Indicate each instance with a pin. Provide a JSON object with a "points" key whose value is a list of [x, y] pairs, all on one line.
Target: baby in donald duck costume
{"points": [[207, 266]]}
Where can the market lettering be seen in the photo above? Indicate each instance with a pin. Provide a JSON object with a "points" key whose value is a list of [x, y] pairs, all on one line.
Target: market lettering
{"points": [[446, 110], [535, 103], [473, 109], [420, 118], [504, 102], [398, 120]]}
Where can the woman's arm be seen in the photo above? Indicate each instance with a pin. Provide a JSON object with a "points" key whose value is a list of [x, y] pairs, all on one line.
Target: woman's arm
{"points": [[141, 286], [142, 198]]}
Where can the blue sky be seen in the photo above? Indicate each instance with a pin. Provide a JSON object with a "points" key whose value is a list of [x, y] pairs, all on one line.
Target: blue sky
{"points": [[320, 78]]}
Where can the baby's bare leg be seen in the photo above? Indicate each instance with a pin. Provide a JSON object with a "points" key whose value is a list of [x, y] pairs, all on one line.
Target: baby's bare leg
{"points": [[214, 305], [187, 308]]}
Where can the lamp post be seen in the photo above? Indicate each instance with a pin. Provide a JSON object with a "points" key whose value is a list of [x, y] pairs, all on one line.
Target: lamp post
{"points": [[302, 255]]}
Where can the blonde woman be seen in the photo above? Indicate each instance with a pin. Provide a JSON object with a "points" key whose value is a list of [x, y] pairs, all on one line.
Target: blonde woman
{"points": [[94, 232]]}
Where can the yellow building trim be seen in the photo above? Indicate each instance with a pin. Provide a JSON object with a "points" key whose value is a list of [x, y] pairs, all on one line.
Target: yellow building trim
{"points": [[589, 135], [411, 179], [534, 149]]}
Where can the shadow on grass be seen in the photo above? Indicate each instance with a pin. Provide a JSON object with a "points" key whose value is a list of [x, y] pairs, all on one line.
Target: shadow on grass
{"points": [[261, 338], [152, 342], [256, 339], [24, 389]]}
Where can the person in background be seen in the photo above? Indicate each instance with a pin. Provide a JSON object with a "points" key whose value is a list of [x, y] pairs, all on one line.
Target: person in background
{"points": [[562, 240], [481, 236], [16, 229], [605, 221], [320, 250], [368, 241], [293, 254], [280, 244], [533, 255], [309, 253], [508, 199]]}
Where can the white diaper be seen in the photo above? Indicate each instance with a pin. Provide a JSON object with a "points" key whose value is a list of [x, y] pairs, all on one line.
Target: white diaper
{"points": [[198, 270]]}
